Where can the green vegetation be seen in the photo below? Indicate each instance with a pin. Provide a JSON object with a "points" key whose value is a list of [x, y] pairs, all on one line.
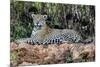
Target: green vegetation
{"points": [[78, 17]]}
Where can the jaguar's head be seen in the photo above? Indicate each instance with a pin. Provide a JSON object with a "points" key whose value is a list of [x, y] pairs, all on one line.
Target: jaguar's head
{"points": [[39, 21]]}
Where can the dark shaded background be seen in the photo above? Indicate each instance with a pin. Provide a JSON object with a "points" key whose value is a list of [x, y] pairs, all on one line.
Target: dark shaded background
{"points": [[78, 17]]}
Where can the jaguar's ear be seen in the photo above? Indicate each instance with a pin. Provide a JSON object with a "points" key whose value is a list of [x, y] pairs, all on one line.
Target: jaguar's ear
{"points": [[33, 15], [45, 17]]}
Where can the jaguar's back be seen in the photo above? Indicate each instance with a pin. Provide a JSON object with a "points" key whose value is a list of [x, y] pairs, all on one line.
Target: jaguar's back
{"points": [[43, 34]]}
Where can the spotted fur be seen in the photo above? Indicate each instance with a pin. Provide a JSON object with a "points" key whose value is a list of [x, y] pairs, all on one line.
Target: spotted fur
{"points": [[43, 34]]}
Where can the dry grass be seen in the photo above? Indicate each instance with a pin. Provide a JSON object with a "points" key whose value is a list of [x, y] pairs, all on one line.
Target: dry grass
{"points": [[25, 54]]}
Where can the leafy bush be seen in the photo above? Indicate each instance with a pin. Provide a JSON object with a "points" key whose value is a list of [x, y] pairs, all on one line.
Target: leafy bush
{"points": [[78, 17]]}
